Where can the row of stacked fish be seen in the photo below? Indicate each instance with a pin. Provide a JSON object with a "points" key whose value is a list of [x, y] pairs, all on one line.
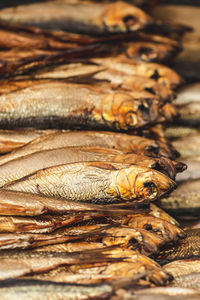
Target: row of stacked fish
{"points": [[77, 219], [182, 261]]}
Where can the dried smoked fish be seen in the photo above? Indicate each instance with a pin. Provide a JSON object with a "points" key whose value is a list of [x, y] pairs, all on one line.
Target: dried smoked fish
{"points": [[157, 276], [10, 39], [133, 219], [137, 263], [96, 181], [43, 224], [15, 62], [140, 240], [119, 141], [35, 289], [75, 71], [92, 18], [148, 51], [167, 149], [36, 262], [142, 49], [72, 105], [134, 239], [26, 165], [30, 262], [160, 227], [159, 73]]}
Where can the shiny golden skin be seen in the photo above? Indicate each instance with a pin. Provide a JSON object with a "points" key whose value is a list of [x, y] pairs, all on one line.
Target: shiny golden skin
{"points": [[159, 73], [96, 181], [97, 18]]}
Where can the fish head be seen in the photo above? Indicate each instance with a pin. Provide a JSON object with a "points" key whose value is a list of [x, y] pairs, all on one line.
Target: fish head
{"points": [[160, 74], [136, 183], [151, 185], [147, 51], [162, 228], [165, 93], [149, 85], [126, 112], [143, 241], [121, 236], [123, 17], [167, 77]]}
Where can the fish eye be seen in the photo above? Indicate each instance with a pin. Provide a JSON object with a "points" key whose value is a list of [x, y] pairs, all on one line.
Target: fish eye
{"points": [[145, 50], [131, 119], [129, 20], [155, 75], [133, 243], [148, 227]]}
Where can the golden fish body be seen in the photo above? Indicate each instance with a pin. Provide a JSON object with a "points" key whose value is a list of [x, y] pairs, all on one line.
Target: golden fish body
{"points": [[101, 18], [41, 290], [116, 78], [159, 73], [95, 108], [17, 168], [112, 140], [96, 181], [14, 203]]}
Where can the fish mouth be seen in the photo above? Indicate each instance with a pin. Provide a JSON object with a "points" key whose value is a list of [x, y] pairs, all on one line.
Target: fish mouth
{"points": [[130, 22], [145, 111]]}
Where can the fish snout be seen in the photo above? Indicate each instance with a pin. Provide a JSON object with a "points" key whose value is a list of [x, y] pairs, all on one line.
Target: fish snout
{"points": [[123, 17], [148, 110], [152, 185]]}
